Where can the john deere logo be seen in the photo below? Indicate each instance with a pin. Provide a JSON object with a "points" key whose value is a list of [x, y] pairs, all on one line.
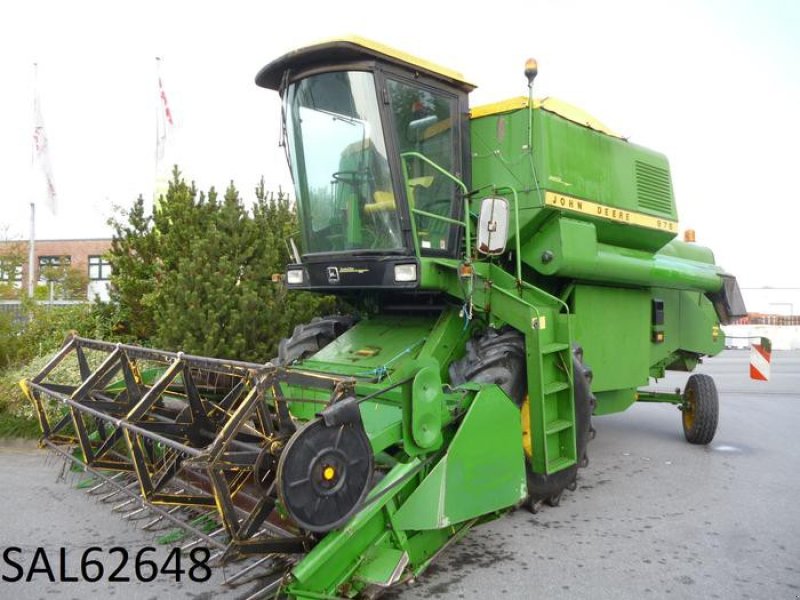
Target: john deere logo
{"points": [[333, 275]]}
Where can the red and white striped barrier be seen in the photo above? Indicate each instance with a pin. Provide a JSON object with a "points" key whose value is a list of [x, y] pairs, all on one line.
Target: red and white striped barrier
{"points": [[760, 355]]}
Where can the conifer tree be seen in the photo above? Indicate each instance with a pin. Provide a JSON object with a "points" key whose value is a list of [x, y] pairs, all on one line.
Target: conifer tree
{"points": [[208, 264], [133, 258]]}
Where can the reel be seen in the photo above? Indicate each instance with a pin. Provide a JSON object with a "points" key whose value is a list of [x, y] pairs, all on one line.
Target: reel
{"points": [[324, 473]]}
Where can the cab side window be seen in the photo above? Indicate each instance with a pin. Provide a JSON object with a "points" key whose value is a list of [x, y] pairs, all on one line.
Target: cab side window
{"points": [[423, 123]]}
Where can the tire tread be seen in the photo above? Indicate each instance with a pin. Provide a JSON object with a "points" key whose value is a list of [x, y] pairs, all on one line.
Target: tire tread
{"points": [[706, 409]]}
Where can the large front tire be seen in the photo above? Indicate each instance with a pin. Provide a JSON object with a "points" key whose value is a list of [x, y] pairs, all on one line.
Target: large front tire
{"points": [[306, 340], [499, 357], [494, 357], [549, 487]]}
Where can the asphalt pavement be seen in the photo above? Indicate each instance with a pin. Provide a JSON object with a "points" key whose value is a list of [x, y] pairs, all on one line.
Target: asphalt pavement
{"points": [[652, 516]]}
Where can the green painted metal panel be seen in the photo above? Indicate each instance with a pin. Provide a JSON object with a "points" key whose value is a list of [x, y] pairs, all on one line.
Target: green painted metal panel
{"points": [[691, 325], [688, 251], [427, 407], [582, 162], [613, 327], [332, 561], [425, 509], [614, 401], [371, 546], [423, 545], [383, 424], [570, 248], [482, 471], [384, 341], [699, 325], [576, 161], [446, 341], [382, 564]]}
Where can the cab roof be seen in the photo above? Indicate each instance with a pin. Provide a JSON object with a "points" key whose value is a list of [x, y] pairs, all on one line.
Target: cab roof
{"points": [[353, 48]]}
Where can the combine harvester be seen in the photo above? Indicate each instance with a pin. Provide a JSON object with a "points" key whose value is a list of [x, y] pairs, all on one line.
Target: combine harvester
{"points": [[492, 255]]}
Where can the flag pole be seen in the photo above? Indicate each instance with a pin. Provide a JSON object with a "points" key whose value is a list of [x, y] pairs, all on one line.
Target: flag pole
{"points": [[158, 137], [32, 242], [32, 250], [40, 158]]}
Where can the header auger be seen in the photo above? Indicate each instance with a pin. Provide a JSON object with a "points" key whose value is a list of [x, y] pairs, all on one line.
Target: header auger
{"points": [[513, 271]]}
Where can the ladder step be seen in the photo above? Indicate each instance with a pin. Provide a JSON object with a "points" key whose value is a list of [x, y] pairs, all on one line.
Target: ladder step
{"points": [[557, 425], [556, 386], [554, 347], [558, 464]]}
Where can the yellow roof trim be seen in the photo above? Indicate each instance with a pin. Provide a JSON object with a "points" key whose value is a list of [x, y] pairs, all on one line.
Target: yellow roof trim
{"points": [[398, 55], [496, 108], [553, 105]]}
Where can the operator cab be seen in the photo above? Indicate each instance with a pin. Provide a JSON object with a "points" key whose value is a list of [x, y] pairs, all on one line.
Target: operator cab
{"points": [[378, 147]]}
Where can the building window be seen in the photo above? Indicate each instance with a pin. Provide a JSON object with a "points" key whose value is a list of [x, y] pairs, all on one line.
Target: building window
{"points": [[10, 272], [47, 265], [99, 268]]}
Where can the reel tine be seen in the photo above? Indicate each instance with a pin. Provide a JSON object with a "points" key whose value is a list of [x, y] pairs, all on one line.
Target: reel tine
{"points": [[198, 540], [107, 498], [159, 519], [122, 505], [217, 555], [134, 512], [152, 523], [62, 477], [247, 569], [93, 491]]}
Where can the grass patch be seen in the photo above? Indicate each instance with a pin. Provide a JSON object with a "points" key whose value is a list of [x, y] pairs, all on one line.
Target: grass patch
{"points": [[17, 415], [16, 426]]}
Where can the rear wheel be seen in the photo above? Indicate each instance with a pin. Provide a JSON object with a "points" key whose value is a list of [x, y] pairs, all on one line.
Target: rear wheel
{"points": [[700, 409]]}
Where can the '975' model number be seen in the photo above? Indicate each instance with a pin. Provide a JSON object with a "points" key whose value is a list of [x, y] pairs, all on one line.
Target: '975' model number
{"points": [[118, 566]]}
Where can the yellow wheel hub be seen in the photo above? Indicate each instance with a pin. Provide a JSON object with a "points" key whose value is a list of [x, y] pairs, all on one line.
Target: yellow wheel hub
{"points": [[328, 473], [525, 417], [688, 410]]}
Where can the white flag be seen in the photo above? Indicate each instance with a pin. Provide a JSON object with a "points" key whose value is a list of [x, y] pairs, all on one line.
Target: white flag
{"points": [[41, 156], [164, 125]]}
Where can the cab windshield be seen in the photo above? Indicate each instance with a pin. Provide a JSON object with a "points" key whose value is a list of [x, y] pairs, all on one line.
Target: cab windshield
{"points": [[339, 164]]}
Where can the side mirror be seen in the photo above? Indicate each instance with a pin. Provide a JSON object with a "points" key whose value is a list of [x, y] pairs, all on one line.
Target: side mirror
{"points": [[493, 226]]}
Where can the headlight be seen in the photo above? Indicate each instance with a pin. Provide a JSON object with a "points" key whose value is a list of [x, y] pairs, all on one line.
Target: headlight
{"points": [[405, 273], [294, 276]]}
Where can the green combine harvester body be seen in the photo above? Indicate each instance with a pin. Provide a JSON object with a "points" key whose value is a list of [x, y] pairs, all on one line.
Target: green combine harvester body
{"points": [[513, 271]]}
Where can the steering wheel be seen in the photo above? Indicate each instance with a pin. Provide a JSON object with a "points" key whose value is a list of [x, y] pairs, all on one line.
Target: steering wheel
{"points": [[350, 177]]}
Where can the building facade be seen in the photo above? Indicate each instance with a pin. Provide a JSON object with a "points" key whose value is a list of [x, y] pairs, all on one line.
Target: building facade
{"points": [[87, 257]]}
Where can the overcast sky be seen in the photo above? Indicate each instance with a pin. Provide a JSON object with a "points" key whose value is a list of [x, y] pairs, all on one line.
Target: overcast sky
{"points": [[715, 85]]}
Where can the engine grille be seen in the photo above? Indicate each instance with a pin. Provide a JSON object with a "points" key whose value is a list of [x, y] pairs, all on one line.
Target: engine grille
{"points": [[654, 188]]}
